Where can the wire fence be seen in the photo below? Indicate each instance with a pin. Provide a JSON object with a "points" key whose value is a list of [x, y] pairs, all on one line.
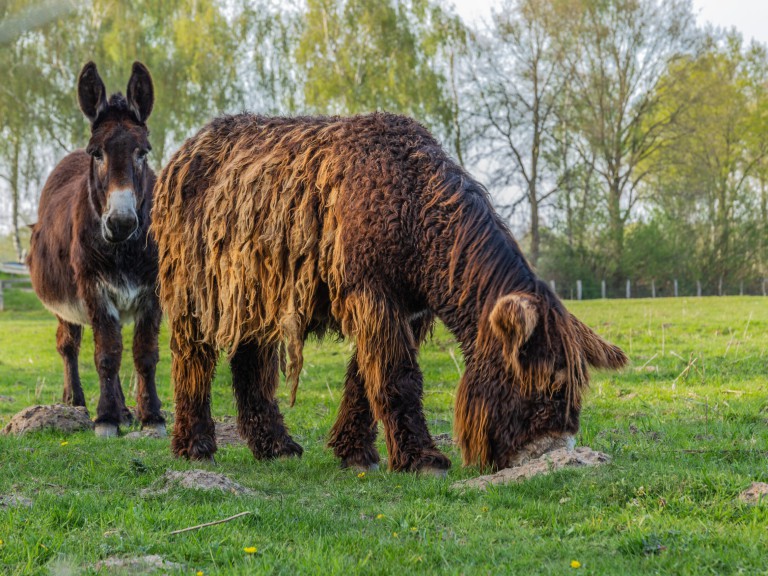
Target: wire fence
{"points": [[592, 289]]}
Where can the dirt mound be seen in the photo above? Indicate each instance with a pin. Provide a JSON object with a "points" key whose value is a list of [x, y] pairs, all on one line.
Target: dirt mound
{"points": [[57, 416], [137, 565], [194, 480], [757, 493], [227, 434], [544, 464]]}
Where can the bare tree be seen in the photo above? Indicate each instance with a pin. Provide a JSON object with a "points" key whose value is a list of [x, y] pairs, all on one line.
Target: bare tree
{"points": [[518, 73]]}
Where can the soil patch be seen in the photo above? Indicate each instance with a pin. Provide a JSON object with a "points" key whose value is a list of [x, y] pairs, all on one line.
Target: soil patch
{"points": [[146, 433], [443, 440], [195, 480], [14, 501], [757, 493], [227, 434], [137, 565], [544, 464], [57, 416]]}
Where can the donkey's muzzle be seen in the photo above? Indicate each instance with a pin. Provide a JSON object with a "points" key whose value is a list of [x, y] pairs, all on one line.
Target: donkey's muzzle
{"points": [[120, 220]]}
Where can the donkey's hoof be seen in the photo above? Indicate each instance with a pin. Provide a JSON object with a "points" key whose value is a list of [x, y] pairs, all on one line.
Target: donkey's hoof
{"points": [[106, 430], [154, 430], [289, 449]]}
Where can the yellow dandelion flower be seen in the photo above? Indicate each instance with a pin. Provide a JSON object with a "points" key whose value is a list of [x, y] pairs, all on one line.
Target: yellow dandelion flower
{"points": [[379, 516], [199, 573], [361, 475], [413, 529], [485, 508], [394, 534], [2, 542], [575, 564], [64, 443], [250, 549]]}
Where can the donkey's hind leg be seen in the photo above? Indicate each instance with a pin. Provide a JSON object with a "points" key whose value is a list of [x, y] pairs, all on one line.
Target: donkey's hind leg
{"points": [[386, 352], [145, 357], [353, 436], [193, 364], [254, 379], [68, 338]]}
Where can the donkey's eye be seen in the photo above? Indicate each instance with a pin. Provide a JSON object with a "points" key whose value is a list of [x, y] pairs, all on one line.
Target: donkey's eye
{"points": [[98, 155], [141, 155]]}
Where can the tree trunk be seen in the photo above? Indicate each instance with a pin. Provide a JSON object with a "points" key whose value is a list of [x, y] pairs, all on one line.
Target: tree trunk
{"points": [[535, 238], [15, 193], [616, 223], [455, 113]]}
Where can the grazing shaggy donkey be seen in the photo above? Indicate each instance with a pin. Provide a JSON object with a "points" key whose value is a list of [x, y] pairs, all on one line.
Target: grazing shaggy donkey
{"points": [[269, 229], [91, 258]]}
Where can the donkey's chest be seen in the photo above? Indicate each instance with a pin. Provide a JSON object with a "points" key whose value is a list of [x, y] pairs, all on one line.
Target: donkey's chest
{"points": [[123, 301]]}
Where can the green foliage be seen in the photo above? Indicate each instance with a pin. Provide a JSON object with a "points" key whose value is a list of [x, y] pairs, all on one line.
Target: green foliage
{"points": [[684, 444], [363, 55]]}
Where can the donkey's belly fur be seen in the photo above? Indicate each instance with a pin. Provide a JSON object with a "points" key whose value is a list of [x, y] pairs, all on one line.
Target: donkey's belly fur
{"points": [[122, 302], [72, 312]]}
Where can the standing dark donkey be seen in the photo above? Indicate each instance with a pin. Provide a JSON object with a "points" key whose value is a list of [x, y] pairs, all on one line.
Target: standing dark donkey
{"points": [[91, 257]]}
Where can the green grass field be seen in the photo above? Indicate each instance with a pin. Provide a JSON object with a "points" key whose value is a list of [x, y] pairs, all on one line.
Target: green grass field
{"points": [[686, 424]]}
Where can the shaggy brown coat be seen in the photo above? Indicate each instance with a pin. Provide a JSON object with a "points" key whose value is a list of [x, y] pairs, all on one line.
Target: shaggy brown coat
{"points": [[271, 228]]}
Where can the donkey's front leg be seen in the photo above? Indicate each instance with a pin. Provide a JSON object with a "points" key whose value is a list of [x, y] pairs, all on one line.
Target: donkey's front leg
{"points": [[145, 357], [386, 355], [107, 356]]}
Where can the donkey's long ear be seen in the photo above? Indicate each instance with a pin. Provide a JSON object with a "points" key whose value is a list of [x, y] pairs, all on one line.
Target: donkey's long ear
{"points": [[140, 93], [599, 353], [91, 92], [513, 319]]}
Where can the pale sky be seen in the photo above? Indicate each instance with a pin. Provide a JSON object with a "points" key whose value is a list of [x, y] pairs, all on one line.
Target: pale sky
{"points": [[750, 17]]}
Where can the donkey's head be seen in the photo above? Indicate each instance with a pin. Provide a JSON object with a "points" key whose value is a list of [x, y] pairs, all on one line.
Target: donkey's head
{"points": [[119, 177], [522, 389]]}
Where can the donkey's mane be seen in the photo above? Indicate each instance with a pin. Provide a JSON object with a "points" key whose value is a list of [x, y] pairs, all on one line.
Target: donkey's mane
{"points": [[485, 264]]}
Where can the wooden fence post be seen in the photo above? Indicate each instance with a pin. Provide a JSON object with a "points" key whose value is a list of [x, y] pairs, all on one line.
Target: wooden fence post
{"points": [[675, 287], [2, 304], [653, 288], [629, 288], [764, 287], [698, 288], [741, 288], [602, 288], [552, 285], [578, 289]]}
